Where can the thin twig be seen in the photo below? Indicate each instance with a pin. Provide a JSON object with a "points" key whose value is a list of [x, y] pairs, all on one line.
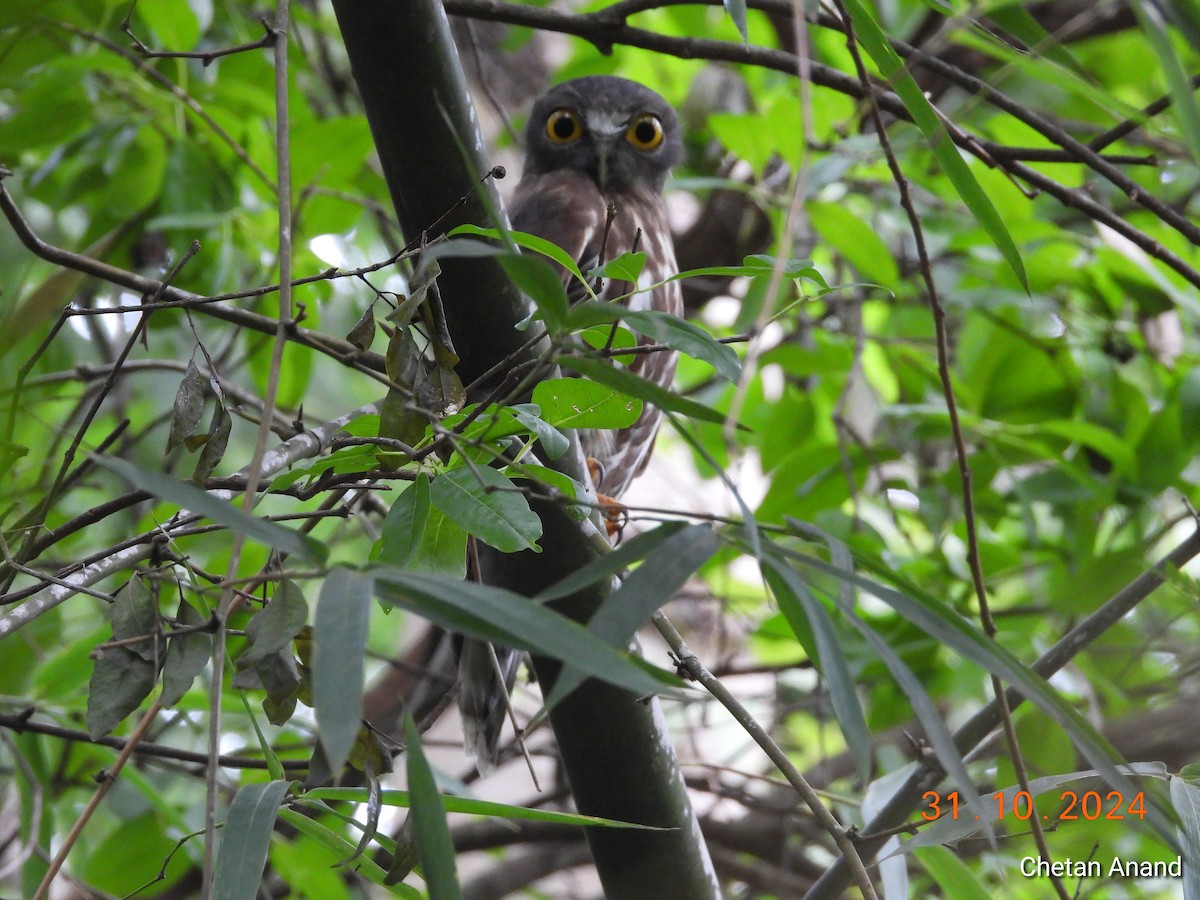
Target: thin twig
{"points": [[109, 779], [230, 598], [688, 662]]}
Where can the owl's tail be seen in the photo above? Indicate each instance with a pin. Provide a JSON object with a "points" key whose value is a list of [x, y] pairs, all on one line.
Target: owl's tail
{"points": [[487, 673]]}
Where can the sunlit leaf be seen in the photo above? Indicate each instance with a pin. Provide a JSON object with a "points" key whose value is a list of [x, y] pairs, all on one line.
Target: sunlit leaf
{"points": [[577, 403]]}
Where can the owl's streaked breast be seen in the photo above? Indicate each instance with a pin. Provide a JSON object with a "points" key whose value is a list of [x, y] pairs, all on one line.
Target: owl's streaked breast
{"points": [[557, 199]]}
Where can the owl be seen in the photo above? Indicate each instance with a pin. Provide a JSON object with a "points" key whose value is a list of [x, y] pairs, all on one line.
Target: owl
{"points": [[590, 142]]}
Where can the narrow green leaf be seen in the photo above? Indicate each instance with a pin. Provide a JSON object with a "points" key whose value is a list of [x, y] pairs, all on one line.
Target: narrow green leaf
{"points": [[1020, 23], [434, 845], [1183, 96], [503, 617], [759, 265], [214, 447], [245, 839], [892, 67], [604, 567], [803, 611], [664, 328], [948, 627], [628, 383], [952, 874], [285, 540], [529, 242], [340, 847], [642, 592], [1185, 798], [578, 403], [485, 503], [476, 807], [553, 441], [339, 646], [404, 525], [737, 12]]}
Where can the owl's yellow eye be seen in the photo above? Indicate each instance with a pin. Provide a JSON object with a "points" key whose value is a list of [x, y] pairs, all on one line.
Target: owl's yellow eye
{"points": [[646, 132], [563, 127]]}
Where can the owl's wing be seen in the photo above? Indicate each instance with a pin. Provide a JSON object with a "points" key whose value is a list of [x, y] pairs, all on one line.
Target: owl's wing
{"points": [[567, 208]]}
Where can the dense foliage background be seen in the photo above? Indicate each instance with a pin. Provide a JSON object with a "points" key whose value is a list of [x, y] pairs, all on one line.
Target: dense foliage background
{"points": [[969, 425]]}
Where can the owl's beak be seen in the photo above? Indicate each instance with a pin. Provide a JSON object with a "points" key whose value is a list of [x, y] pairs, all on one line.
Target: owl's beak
{"points": [[606, 130], [602, 151]]}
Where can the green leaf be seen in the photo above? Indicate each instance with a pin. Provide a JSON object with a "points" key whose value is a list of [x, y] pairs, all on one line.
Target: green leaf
{"points": [[285, 540], [476, 807], [362, 334], [529, 242], [892, 67], [952, 875], [1185, 798], [553, 441], [503, 617], [626, 267], [737, 12], [339, 848], [274, 626], [339, 647], [134, 618], [499, 422], [245, 839], [442, 549], [759, 265], [855, 240], [485, 503], [578, 403], [805, 614], [434, 845], [602, 568], [1183, 95], [533, 275], [627, 383], [643, 592], [120, 681], [949, 628], [187, 655], [404, 526], [188, 406], [664, 328]]}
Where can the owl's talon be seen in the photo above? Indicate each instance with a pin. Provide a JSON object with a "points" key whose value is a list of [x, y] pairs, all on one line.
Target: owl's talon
{"points": [[614, 513]]}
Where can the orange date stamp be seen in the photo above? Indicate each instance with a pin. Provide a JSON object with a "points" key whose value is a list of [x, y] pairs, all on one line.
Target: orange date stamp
{"points": [[1089, 806]]}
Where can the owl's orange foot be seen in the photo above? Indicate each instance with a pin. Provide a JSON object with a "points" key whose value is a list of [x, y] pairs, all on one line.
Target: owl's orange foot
{"points": [[615, 515]]}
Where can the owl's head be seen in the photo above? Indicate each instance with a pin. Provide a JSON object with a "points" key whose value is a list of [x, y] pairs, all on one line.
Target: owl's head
{"points": [[620, 133]]}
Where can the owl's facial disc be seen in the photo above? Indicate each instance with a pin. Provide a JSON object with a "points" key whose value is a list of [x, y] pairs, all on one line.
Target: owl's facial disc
{"points": [[620, 133]]}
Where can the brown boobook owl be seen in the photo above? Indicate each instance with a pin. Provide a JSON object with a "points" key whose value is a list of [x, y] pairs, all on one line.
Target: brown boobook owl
{"points": [[591, 142]]}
